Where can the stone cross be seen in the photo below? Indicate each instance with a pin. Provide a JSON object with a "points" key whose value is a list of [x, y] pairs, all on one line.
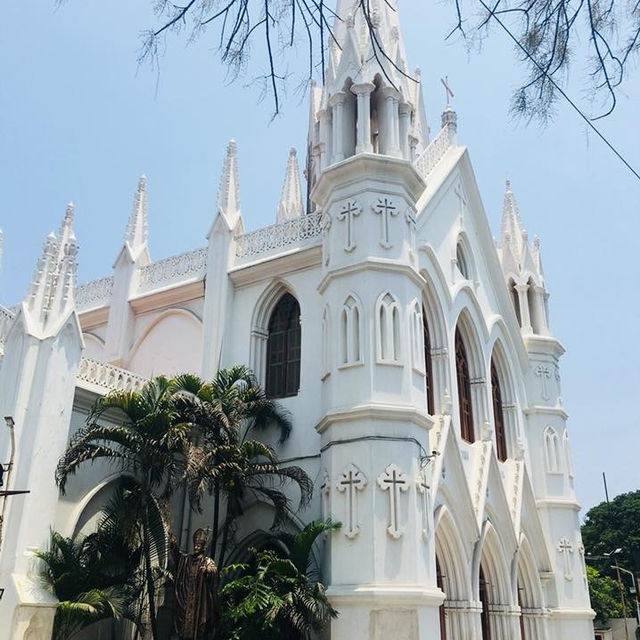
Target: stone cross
{"points": [[352, 480], [385, 208], [424, 490], [350, 211], [544, 374], [447, 88], [393, 481], [566, 549]]}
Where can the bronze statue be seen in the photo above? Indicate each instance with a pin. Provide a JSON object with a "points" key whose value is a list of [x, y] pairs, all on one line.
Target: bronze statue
{"points": [[195, 582]]}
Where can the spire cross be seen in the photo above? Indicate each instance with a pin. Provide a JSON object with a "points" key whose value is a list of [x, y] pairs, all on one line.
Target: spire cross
{"points": [[385, 208], [352, 480], [350, 210], [393, 481], [566, 549], [447, 88]]}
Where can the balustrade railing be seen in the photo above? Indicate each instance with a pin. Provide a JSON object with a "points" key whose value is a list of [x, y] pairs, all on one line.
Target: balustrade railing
{"points": [[426, 162], [191, 265], [99, 376], [277, 236], [96, 293]]}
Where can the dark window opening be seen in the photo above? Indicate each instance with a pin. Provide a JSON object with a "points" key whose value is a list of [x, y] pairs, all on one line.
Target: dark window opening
{"points": [[484, 599], [498, 415], [464, 390], [428, 365], [283, 349]]}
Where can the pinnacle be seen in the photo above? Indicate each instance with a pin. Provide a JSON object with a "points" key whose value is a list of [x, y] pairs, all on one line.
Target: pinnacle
{"points": [[229, 192], [137, 226], [290, 205]]}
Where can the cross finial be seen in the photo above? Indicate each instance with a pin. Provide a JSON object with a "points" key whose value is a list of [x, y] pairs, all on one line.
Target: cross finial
{"points": [[447, 89]]}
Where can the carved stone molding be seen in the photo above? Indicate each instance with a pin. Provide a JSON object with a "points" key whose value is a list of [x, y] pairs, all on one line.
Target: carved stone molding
{"points": [[173, 270], [350, 210], [393, 480], [351, 481], [96, 293]]}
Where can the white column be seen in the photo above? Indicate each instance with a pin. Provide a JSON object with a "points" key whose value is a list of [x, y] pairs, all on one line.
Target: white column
{"points": [[324, 143], [524, 307], [363, 119], [337, 105], [405, 114], [540, 297], [391, 137]]}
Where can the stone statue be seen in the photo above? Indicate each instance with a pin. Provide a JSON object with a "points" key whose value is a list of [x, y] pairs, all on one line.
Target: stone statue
{"points": [[195, 582]]}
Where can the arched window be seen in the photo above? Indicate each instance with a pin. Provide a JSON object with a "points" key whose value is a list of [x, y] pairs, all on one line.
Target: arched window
{"points": [[428, 365], [551, 449], [464, 390], [484, 599], [388, 329], [443, 615], [283, 349], [461, 259], [351, 348], [498, 415]]}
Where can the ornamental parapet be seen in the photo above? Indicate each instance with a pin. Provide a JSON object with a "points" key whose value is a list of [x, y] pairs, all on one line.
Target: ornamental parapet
{"points": [[426, 162], [94, 294], [184, 267], [302, 231], [102, 378]]}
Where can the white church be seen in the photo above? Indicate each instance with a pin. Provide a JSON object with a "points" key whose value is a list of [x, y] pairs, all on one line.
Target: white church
{"points": [[413, 352]]}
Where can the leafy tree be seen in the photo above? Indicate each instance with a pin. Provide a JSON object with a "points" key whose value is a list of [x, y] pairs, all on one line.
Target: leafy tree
{"points": [[549, 37], [223, 461], [149, 441], [605, 596], [614, 525], [275, 598]]}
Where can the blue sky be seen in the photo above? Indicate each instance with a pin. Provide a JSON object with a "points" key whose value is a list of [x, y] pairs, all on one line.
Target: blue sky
{"points": [[79, 120]]}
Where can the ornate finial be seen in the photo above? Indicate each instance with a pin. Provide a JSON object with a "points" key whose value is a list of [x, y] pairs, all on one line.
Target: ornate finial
{"points": [[290, 205], [508, 185], [137, 227], [228, 193]]}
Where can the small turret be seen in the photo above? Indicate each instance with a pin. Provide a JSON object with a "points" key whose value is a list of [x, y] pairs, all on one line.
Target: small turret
{"points": [[137, 228], [522, 269], [228, 203], [290, 205]]}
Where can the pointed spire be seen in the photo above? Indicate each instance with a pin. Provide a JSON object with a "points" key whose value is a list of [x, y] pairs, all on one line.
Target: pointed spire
{"points": [[511, 229], [137, 227], [51, 291], [290, 205], [229, 193]]}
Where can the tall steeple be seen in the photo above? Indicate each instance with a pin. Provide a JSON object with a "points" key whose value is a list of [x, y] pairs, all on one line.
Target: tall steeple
{"points": [[228, 203], [50, 296], [522, 268], [137, 228], [370, 101], [290, 205]]}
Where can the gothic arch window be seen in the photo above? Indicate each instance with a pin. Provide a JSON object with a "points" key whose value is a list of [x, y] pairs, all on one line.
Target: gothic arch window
{"points": [[416, 337], [464, 390], [283, 349], [350, 332], [388, 329], [567, 453], [326, 343], [484, 599], [498, 414], [552, 451], [462, 262], [428, 364]]}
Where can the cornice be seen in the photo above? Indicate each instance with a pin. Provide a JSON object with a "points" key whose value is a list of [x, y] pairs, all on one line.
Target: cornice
{"points": [[541, 409], [543, 344], [168, 296], [94, 317]]}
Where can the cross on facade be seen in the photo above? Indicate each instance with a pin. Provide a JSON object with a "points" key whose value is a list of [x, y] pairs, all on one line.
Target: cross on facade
{"points": [[424, 490], [393, 481], [350, 211], [545, 375], [385, 208], [447, 88], [566, 549], [351, 481]]}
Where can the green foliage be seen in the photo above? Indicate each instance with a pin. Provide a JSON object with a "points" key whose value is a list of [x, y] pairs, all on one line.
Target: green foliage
{"points": [[273, 598], [605, 596], [611, 526]]}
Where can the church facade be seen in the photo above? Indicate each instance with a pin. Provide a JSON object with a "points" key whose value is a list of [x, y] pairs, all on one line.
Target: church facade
{"points": [[413, 352]]}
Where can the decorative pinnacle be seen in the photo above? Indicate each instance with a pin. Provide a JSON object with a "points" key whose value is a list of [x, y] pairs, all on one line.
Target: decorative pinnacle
{"points": [[290, 205], [137, 227], [229, 192]]}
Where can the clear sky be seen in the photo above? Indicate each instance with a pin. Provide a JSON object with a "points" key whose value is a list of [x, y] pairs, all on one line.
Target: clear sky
{"points": [[79, 120]]}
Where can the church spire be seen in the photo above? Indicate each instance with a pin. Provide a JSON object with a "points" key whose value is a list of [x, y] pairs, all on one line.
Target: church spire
{"points": [[229, 191], [50, 294], [137, 227], [290, 205]]}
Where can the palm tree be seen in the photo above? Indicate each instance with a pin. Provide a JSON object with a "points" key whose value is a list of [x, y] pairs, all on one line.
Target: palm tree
{"points": [[149, 440], [223, 461], [278, 598]]}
